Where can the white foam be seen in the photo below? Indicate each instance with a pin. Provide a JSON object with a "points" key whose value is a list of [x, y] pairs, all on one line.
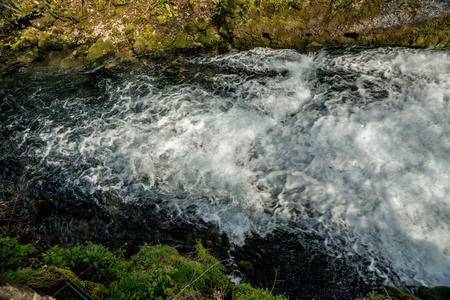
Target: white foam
{"points": [[353, 146]]}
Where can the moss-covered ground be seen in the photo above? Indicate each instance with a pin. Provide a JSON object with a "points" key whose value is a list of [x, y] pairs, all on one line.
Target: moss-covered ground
{"points": [[154, 272]]}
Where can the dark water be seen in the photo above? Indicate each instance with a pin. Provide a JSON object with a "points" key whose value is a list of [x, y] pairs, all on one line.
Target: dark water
{"points": [[342, 155]]}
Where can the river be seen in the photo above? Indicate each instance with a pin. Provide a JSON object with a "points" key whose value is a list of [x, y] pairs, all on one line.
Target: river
{"points": [[348, 145]]}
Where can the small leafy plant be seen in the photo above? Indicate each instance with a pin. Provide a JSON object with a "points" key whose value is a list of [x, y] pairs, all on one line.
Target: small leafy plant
{"points": [[221, 6], [12, 253]]}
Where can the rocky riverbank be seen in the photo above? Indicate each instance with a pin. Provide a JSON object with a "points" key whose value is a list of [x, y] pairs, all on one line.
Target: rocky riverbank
{"points": [[69, 32]]}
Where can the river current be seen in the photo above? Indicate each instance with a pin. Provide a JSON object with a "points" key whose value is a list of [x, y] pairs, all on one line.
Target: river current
{"points": [[349, 144]]}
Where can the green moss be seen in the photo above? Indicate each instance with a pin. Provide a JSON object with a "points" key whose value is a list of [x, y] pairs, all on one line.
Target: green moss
{"points": [[193, 4], [119, 2], [209, 38], [50, 277], [139, 47], [246, 268], [152, 44], [40, 208], [419, 41], [155, 272], [99, 5], [396, 294], [130, 28], [203, 26], [191, 28], [436, 293], [139, 20], [224, 30], [246, 292], [162, 20], [115, 31], [183, 42], [29, 38], [432, 34], [159, 255], [99, 52], [44, 41], [431, 41]]}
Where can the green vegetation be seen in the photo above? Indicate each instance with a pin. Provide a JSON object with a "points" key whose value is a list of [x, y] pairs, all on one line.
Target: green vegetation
{"points": [[12, 253], [246, 292], [155, 272], [221, 6]]}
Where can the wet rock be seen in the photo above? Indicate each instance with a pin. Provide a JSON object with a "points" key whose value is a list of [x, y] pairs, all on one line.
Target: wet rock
{"points": [[314, 46], [314, 274], [126, 57], [14, 291]]}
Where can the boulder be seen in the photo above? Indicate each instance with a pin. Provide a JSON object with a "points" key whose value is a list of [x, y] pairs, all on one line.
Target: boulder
{"points": [[15, 291]]}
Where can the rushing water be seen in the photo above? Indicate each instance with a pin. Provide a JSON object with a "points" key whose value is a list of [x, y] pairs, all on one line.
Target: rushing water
{"points": [[350, 144]]}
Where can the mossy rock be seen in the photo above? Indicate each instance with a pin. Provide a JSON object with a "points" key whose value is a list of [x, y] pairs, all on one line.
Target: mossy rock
{"points": [[314, 46], [203, 26], [162, 20], [209, 38], [224, 30], [431, 41], [396, 294], [139, 47], [99, 52], [243, 291], [130, 28], [20, 44], [419, 41], [436, 293], [40, 208], [193, 4], [183, 42], [50, 42], [191, 28], [139, 20], [119, 2], [51, 278], [100, 6], [43, 22], [246, 268], [246, 292], [153, 44]]}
